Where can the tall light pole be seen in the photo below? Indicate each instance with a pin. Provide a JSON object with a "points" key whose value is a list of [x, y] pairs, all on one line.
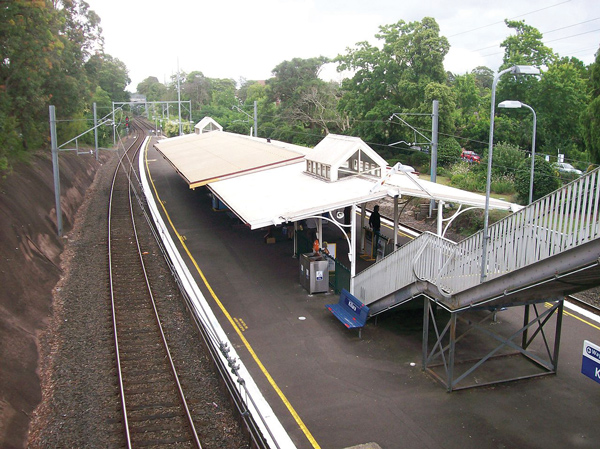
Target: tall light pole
{"points": [[509, 104], [517, 70]]}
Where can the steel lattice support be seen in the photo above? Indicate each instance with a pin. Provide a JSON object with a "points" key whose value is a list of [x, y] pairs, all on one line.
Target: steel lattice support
{"points": [[440, 360]]}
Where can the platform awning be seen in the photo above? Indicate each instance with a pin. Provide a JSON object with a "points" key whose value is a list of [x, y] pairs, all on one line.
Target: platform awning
{"points": [[288, 193], [208, 157], [408, 185]]}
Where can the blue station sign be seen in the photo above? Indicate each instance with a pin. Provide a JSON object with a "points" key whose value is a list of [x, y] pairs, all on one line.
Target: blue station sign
{"points": [[590, 365]]}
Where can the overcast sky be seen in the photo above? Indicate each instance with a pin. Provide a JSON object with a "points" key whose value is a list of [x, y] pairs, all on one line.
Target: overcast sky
{"points": [[248, 38]]}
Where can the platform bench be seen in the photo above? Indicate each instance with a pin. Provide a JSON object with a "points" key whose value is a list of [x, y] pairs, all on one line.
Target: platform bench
{"points": [[350, 311]]}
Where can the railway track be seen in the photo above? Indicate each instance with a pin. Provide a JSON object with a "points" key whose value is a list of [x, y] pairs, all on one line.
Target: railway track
{"points": [[155, 412]]}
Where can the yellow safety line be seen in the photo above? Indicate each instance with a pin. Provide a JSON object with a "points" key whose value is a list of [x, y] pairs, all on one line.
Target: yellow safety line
{"points": [[232, 321], [565, 312]]}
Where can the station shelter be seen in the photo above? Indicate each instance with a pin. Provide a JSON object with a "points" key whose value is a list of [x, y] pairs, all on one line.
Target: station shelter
{"points": [[268, 183]]}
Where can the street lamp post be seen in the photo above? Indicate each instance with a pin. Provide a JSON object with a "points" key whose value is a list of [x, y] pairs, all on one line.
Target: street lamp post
{"points": [[517, 104], [517, 70]]}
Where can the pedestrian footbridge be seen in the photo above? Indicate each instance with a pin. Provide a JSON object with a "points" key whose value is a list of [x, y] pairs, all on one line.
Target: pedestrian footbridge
{"points": [[537, 255]]}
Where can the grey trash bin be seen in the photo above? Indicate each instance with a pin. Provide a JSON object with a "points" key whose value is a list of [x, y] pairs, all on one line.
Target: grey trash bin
{"points": [[314, 273]]}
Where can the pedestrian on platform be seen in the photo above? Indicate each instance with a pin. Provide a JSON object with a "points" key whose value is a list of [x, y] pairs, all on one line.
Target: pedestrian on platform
{"points": [[375, 223]]}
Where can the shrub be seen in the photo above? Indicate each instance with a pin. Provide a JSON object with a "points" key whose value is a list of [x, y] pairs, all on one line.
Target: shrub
{"points": [[545, 179], [503, 185], [448, 151], [506, 159]]}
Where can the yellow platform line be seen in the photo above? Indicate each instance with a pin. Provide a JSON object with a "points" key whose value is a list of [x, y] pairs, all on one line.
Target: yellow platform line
{"points": [[232, 321]]}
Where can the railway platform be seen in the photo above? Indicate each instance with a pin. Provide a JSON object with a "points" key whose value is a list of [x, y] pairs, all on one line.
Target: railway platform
{"points": [[331, 389]]}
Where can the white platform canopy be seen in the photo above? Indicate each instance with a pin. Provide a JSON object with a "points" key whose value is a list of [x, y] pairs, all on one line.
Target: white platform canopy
{"points": [[287, 193], [272, 197]]}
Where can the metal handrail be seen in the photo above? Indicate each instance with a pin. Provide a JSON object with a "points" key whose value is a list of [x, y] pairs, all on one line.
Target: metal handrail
{"points": [[560, 221]]}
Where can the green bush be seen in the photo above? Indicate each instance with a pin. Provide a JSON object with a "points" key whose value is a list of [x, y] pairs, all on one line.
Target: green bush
{"points": [[468, 181], [503, 185], [506, 159], [545, 179], [448, 151]]}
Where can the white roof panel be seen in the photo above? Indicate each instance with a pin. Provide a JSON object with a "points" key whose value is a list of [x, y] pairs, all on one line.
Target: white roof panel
{"points": [[203, 158], [289, 194], [409, 185]]}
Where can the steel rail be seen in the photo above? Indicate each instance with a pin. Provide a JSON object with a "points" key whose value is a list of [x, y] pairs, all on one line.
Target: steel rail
{"points": [[156, 314], [137, 144]]}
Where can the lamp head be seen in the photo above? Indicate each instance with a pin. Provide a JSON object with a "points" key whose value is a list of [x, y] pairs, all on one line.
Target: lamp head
{"points": [[510, 104], [525, 70]]}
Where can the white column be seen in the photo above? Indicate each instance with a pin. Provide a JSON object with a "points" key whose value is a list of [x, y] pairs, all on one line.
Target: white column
{"points": [[440, 217], [396, 224], [352, 250]]}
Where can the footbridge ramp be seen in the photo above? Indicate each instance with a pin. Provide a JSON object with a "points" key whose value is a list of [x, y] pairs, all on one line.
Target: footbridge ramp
{"points": [[549, 249], [533, 258]]}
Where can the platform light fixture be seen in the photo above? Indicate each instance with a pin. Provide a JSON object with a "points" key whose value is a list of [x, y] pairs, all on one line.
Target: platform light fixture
{"points": [[510, 104], [516, 70]]}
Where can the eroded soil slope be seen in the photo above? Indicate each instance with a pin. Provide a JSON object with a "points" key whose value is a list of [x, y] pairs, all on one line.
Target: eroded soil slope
{"points": [[30, 252]]}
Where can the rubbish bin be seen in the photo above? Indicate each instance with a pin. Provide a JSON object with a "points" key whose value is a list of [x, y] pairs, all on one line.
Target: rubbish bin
{"points": [[314, 273]]}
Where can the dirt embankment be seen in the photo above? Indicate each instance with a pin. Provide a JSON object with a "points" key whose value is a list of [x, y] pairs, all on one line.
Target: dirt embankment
{"points": [[30, 261]]}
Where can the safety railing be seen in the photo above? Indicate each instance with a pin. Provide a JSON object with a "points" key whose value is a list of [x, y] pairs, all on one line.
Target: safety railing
{"points": [[563, 220]]}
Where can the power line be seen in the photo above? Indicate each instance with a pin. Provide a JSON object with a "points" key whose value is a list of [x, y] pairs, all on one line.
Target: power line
{"points": [[511, 18], [551, 31]]}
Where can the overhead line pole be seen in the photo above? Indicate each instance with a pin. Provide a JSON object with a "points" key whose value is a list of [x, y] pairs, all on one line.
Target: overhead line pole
{"points": [[55, 170]]}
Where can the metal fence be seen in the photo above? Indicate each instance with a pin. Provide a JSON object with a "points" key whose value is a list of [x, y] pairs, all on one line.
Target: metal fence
{"points": [[558, 222], [340, 277]]}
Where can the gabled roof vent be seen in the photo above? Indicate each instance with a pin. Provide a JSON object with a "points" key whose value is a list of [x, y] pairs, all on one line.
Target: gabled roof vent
{"points": [[337, 157]]}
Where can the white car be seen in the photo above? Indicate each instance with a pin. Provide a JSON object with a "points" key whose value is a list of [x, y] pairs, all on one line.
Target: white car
{"points": [[563, 167]]}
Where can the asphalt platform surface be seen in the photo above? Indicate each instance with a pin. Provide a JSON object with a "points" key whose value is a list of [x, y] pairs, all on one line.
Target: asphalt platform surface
{"points": [[349, 391]]}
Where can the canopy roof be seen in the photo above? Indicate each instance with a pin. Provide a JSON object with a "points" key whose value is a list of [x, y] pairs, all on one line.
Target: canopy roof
{"points": [[207, 157], [268, 182], [288, 193]]}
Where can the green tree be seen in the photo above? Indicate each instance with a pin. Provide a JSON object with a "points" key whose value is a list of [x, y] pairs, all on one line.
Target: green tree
{"points": [[525, 47], [590, 119], [198, 89], [393, 78], [484, 77], [110, 74], [153, 89], [27, 43], [291, 78], [44, 46], [561, 95], [449, 151]]}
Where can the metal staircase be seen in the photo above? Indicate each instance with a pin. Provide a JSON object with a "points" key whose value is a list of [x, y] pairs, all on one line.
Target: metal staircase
{"points": [[540, 254]]}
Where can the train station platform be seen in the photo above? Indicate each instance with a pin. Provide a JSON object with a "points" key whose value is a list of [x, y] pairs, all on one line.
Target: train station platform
{"points": [[331, 389]]}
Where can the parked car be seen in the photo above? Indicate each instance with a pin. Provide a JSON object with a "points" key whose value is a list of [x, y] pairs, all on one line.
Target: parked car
{"points": [[563, 167], [470, 156]]}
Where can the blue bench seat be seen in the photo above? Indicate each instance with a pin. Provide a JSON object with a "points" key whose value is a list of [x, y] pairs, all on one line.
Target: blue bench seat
{"points": [[349, 310]]}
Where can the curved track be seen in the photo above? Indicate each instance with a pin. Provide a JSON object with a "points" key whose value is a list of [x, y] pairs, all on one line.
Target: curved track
{"points": [[155, 413]]}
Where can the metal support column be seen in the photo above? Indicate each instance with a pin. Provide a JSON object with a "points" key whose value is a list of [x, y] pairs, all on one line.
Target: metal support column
{"points": [[55, 170], [434, 147], [255, 120], [95, 131], [363, 214], [352, 249], [426, 311], [451, 351], [396, 223]]}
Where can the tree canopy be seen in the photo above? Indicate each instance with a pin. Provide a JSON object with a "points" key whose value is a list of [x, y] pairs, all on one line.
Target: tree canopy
{"points": [[52, 53]]}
